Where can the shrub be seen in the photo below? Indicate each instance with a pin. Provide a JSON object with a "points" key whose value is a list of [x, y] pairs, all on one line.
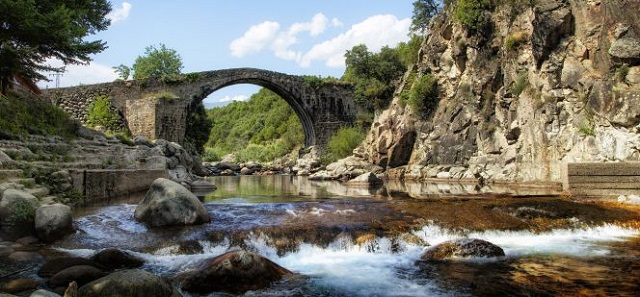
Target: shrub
{"points": [[100, 113], [423, 96], [344, 141], [211, 154], [520, 84], [472, 13], [515, 40], [622, 72]]}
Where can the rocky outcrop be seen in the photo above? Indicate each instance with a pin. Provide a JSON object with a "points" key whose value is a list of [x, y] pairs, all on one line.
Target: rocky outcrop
{"points": [[53, 222], [233, 272], [365, 180], [550, 85], [168, 203], [462, 248], [134, 283]]}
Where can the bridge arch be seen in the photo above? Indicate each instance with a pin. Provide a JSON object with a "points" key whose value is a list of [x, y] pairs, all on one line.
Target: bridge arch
{"points": [[295, 103], [322, 107]]}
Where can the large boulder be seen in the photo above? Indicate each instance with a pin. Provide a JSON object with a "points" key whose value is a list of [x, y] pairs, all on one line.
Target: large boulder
{"points": [[462, 248], [17, 212], [132, 283], [81, 274], [53, 222], [168, 203], [113, 258], [53, 266], [234, 272], [368, 179]]}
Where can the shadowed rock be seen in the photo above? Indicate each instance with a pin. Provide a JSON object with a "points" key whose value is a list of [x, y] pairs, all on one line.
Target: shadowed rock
{"points": [[53, 266], [233, 272], [132, 283], [113, 258], [81, 274], [53, 222]]}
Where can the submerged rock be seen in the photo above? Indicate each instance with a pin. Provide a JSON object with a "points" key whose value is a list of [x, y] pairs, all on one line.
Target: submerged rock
{"points": [[53, 266], [462, 248], [132, 283], [81, 274], [233, 272], [168, 203]]}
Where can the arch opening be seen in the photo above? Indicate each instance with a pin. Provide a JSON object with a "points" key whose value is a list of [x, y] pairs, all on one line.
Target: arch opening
{"points": [[267, 124]]}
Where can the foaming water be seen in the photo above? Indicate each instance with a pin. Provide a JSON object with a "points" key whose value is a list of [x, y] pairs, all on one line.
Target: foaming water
{"points": [[372, 247], [580, 242]]}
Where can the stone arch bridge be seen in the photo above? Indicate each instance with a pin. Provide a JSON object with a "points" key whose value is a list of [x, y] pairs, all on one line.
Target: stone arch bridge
{"points": [[158, 107]]}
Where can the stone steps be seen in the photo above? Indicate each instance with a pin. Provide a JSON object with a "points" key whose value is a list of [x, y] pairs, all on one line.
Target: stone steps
{"points": [[603, 179]]}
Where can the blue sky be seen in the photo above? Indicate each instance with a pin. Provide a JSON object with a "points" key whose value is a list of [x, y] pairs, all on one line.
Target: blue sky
{"points": [[297, 37]]}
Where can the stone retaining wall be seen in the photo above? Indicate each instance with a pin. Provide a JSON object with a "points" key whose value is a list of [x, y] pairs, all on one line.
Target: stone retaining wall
{"points": [[102, 185], [603, 179]]}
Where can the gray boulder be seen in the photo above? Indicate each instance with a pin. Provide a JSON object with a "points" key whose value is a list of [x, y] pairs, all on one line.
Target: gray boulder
{"points": [[168, 203], [462, 248], [53, 222], [17, 212], [132, 283], [234, 272]]}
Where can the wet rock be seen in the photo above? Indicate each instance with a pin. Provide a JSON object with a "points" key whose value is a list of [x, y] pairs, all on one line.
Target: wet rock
{"points": [[28, 240], [53, 222], [61, 181], [190, 247], [81, 274], [19, 285], [53, 266], [132, 283], [113, 258], [462, 248], [368, 179], [246, 171], [25, 256], [234, 272], [202, 187], [167, 203]]}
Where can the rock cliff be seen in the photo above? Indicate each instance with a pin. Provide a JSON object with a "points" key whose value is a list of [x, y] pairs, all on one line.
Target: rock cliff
{"points": [[541, 86]]}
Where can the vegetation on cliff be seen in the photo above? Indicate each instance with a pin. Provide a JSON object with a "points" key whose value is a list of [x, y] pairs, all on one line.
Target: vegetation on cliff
{"points": [[17, 117]]}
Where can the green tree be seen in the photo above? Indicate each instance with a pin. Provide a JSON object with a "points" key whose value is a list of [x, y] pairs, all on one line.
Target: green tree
{"points": [[32, 31], [123, 71], [423, 12], [157, 62]]}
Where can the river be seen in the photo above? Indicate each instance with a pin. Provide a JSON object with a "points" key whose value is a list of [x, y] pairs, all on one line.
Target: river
{"points": [[345, 241]]}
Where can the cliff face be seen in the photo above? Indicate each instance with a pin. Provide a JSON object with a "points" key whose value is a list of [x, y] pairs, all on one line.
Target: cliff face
{"points": [[551, 84]]}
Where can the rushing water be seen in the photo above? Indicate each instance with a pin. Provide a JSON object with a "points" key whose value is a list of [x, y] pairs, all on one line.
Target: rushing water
{"points": [[367, 242]]}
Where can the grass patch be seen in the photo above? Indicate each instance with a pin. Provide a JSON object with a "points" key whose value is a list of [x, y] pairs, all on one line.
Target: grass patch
{"points": [[21, 115], [424, 94], [514, 40], [520, 84], [343, 142]]}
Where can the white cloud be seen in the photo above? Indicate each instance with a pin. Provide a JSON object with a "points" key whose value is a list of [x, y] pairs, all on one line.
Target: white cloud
{"points": [[255, 39], [374, 32], [80, 74], [120, 13], [233, 98]]}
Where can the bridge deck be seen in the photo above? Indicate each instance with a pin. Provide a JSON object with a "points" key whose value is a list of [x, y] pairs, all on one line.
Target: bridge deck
{"points": [[603, 179]]}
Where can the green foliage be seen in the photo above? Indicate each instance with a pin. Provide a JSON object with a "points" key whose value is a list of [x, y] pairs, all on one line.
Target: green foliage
{"points": [[101, 113], [520, 84], [424, 95], [313, 82], [160, 61], [165, 96], [198, 127], [472, 14], [373, 75], [587, 128], [423, 12], [211, 154], [622, 72], [17, 117], [343, 142], [515, 40], [123, 71], [409, 51], [23, 210], [192, 77], [33, 31], [265, 120]]}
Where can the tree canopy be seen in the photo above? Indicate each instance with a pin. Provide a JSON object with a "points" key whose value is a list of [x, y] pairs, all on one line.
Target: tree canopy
{"points": [[156, 61], [423, 11], [33, 31]]}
